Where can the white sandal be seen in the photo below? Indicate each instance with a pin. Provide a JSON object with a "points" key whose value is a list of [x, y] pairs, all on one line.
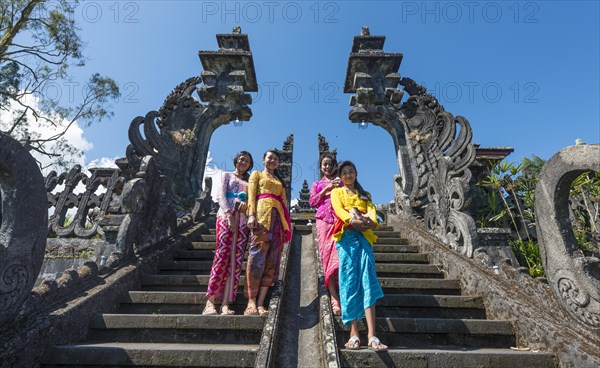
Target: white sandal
{"points": [[209, 310], [353, 343], [378, 345]]}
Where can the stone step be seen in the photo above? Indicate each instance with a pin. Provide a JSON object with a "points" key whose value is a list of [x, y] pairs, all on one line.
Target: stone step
{"points": [[444, 358], [207, 238], [402, 257], [434, 332], [395, 248], [408, 270], [170, 297], [436, 286], [430, 306], [387, 234], [391, 241], [168, 302], [177, 328], [126, 354], [188, 265], [190, 283], [181, 321], [202, 245], [195, 254]]}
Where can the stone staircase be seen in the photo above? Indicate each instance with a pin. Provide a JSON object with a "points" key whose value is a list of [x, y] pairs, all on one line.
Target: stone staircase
{"points": [[161, 324], [426, 322], [423, 318]]}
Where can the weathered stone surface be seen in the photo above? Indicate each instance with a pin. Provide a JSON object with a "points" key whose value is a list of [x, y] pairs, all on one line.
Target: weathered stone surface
{"points": [[493, 247], [433, 147], [50, 322], [178, 135], [540, 322], [23, 225], [574, 279]]}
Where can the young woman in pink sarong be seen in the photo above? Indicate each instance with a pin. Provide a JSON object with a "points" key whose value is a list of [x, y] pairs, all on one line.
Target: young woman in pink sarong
{"points": [[325, 220], [232, 236]]}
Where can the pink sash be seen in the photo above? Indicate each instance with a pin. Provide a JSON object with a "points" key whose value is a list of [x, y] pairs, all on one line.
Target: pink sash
{"points": [[288, 233]]}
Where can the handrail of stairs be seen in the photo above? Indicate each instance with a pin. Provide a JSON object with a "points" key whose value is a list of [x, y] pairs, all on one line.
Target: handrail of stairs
{"points": [[268, 343], [329, 351]]}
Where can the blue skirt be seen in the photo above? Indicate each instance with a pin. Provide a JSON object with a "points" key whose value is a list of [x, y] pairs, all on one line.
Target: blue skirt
{"points": [[359, 286]]}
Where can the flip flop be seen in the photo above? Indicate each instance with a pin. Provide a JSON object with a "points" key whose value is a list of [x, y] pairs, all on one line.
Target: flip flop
{"points": [[353, 343], [209, 310], [378, 345], [250, 311], [228, 312], [335, 308], [262, 311]]}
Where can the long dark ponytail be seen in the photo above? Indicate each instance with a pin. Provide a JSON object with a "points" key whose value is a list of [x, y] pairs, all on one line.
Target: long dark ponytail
{"points": [[362, 194], [276, 171]]}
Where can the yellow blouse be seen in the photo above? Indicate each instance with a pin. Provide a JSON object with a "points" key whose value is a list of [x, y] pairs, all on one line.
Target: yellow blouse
{"points": [[342, 201], [260, 183]]}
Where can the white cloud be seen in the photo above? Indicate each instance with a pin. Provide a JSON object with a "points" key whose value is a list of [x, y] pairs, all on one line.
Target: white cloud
{"points": [[74, 134]]}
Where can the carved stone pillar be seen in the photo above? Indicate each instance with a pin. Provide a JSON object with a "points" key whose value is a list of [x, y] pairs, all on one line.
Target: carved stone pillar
{"points": [[23, 225], [433, 147], [285, 165], [324, 148], [575, 279], [178, 135]]}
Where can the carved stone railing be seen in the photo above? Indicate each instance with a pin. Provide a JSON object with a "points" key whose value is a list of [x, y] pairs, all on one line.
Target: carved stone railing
{"points": [[433, 147], [23, 225], [575, 279], [91, 207]]}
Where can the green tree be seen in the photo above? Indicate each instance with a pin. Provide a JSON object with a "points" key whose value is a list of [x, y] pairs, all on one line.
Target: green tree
{"points": [[39, 44]]}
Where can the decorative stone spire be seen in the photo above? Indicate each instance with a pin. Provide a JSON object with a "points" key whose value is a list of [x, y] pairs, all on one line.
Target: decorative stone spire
{"points": [[303, 204], [285, 165], [324, 147]]}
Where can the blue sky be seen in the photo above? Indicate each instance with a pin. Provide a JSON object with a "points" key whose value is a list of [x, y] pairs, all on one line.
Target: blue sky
{"points": [[525, 74]]}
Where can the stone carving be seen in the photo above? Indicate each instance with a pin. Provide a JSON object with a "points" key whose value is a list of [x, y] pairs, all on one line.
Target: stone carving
{"points": [[324, 148], [575, 279], [433, 147], [285, 165], [91, 207], [23, 225], [178, 135], [303, 204], [149, 218]]}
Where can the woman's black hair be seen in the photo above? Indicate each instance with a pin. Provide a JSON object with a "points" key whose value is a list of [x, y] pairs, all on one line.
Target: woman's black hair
{"points": [[362, 194], [245, 174], [334, 171], [276, 172]]}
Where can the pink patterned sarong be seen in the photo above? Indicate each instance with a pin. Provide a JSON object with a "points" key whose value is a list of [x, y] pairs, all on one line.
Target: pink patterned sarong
{"points": [[223, 266], [327, 250]]}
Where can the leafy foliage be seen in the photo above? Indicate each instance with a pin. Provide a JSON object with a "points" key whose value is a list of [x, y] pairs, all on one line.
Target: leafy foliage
{"points": [[510, 194], [39, 44]]}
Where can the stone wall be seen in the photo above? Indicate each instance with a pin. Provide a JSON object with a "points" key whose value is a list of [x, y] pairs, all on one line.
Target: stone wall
{"points": [[541, 322]]}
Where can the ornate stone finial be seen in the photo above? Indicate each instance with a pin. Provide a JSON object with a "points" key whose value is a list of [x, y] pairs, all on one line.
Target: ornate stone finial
{"points": [[303, 200], [179, 135], [237, 30], [433, 159], [324, 147], [364, 31]]}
